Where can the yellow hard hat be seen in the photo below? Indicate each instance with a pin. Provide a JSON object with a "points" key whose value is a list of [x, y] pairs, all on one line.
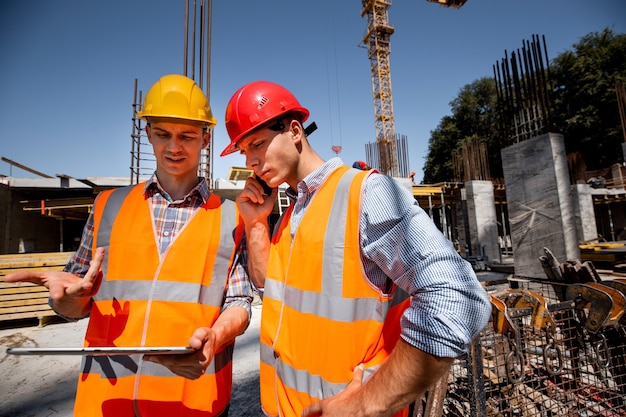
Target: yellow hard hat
{"points": [[178, 97]]}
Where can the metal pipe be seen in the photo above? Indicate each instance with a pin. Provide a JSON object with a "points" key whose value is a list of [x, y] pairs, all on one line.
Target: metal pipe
{"points": [[186, 38]]}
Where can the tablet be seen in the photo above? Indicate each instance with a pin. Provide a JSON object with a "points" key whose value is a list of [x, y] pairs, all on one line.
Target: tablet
{"points": [[102, 350]]}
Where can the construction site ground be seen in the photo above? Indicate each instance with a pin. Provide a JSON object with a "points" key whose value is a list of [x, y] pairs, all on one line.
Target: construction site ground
{"points": [[44, 386]]}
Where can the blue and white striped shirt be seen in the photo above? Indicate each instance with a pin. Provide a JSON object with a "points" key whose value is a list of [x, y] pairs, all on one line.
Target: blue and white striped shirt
{"points": [[449, 306]]}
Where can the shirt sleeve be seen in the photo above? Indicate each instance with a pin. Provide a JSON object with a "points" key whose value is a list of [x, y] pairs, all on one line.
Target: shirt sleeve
{"points": [[239, 290], [79, 262], [449, 306]]}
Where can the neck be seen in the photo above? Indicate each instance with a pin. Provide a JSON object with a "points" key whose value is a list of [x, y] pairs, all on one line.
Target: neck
{"points": [[307, 164], [177, 187]]}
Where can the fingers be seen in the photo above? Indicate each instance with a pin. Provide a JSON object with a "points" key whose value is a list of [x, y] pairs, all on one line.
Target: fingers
{"points": [[252, 192], [25, 276], [203, 340], [199, 336], [187, 366], [95, 266], [337, 404], [357, 377], [314, 409]]}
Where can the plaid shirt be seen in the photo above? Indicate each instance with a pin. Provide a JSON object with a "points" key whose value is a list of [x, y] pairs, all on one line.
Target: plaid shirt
{"points": [[169, 218]]}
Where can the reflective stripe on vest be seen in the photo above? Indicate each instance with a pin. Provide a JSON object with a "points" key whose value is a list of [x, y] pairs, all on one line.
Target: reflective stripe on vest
{"points": [[149, 298], [321, 316]]}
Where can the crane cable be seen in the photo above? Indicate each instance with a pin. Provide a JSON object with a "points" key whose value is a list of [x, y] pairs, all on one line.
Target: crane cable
{"points": [[334, 45]]}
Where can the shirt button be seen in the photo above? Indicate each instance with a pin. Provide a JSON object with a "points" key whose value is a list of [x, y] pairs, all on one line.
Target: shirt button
{"points": [[166, 233]]}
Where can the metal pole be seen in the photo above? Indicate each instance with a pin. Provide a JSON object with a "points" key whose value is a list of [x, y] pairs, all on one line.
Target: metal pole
{"points": [[193, 43], [201, 49], [61, 233], [209, 20], [186, 41], [444, 223]]}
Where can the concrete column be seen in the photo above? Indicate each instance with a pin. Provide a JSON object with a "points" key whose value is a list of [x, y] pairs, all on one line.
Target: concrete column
{"points": [[482, 221], [616, 174], [585, 214], [540, 202]]}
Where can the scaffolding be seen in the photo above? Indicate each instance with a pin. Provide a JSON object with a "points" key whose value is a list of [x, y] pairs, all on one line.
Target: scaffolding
{"points": [[197, 66]]}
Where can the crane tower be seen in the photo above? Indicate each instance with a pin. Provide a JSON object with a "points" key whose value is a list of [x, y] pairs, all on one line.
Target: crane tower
{"points": [[377, 40]]}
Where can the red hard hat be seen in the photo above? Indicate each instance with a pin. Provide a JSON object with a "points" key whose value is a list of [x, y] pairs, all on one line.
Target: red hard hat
{"points": [[255, 104]]}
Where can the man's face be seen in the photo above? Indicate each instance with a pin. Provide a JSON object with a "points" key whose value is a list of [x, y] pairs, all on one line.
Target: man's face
{"points": [[273, 155], [177, 145]]}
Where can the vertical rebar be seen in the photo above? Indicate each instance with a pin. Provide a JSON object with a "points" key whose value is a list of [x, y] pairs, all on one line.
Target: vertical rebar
{"points": [[186, 38]]}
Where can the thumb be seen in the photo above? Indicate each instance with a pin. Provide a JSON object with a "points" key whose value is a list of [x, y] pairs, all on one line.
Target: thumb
{"points": [[357, 376], [313, 409]]}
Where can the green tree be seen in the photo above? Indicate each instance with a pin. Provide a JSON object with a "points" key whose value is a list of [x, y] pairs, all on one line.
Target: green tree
{"points": [[584, 109], [585, 103], [443, 140], [473, 118]]}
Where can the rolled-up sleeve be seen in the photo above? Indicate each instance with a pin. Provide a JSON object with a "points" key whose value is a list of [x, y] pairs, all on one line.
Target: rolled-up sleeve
{"points": [[449, 307], [239, 291]]}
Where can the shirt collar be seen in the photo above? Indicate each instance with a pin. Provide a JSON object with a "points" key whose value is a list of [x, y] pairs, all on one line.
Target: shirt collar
{"points": [[152, 186], [312, 182]]}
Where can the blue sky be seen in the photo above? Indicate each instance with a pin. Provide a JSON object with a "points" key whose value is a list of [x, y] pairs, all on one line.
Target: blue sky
{"points": [[68, 68]]}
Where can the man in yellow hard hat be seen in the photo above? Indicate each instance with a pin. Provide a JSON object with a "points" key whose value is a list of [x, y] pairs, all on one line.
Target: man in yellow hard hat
{"points": [[158, 265]]}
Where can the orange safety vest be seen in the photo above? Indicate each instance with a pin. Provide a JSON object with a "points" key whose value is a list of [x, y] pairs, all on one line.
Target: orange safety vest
{"points": [[152, 299], [321, 316]]}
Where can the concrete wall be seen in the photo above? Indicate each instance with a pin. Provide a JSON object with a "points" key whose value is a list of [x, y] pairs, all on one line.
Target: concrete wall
{"points": [[30, 231], [585, 215], [481, 216], [540, 202]]}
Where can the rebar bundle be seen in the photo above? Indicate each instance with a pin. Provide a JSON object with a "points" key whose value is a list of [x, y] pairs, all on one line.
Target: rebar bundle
{"points": [[523, 90]]}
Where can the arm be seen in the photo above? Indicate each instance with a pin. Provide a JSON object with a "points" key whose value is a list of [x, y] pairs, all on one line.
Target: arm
{"points": [[448, 304], [257, 235], [70, 295], [207, 341], [232, 321], [403, 377], [255, 209]]}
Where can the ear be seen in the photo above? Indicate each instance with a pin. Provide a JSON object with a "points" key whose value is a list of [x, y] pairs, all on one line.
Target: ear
{"points": [[206, 137], [148, 132], [297, 131]]}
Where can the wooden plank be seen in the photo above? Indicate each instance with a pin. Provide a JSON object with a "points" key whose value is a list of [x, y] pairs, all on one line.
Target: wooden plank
{"points": [[28, 260], [23, 290], [19, 300], [17, 284], [9, 310], [25, 296], [7, 271], [27, 302], [27, 315]]}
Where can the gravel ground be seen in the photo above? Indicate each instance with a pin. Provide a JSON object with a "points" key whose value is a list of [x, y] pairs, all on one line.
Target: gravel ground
{"points": [[44, 386]]}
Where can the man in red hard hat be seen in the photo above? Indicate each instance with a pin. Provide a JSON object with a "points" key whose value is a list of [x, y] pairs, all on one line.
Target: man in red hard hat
{"points": [[360, 165], [340, 336]]}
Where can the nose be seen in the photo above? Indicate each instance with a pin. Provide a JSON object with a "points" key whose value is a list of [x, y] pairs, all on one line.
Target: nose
{"points": [[251, 161], [174, 144]]}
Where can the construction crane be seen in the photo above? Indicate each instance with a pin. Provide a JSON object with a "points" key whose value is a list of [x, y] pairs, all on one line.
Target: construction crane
{"points": [[378, 44], [449, 3]]}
